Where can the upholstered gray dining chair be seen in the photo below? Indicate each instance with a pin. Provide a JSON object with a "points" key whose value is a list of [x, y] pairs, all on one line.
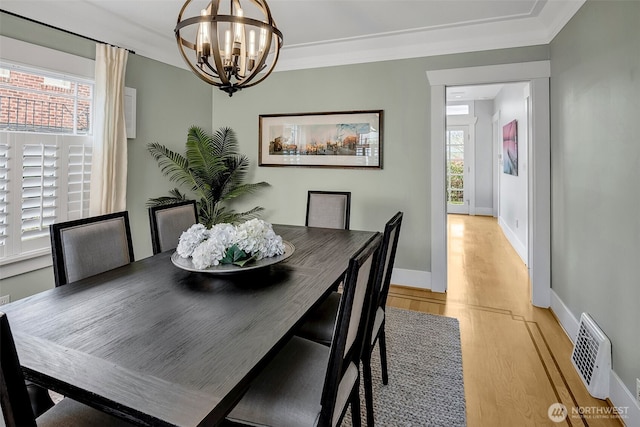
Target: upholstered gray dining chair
{"points": [[307, 383], [16, 409], [328, 209], [89, 246], [319, 325], [168, 222]]}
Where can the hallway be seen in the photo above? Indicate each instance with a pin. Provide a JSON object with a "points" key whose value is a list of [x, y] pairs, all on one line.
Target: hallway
{"points": [[516, 357]]}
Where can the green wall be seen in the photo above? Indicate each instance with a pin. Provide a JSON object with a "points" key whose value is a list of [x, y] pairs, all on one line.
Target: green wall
{"points": [[169, 100], [402, 90], [595, 155]]}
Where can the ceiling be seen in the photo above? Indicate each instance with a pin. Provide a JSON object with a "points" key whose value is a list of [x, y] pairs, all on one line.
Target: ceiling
{"points": [[471, 93], [323, 32]]}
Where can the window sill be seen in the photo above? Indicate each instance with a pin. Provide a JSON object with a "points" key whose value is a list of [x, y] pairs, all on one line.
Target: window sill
{"points": [[13, 266]]}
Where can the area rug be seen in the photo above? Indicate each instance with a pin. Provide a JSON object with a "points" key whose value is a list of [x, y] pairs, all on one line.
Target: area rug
{"points": [[426, 386]]}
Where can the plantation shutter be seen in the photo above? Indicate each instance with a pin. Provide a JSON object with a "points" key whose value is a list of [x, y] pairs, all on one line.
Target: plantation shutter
{"points": [[39, 189], [45, 152], [4, 196], [79, 179], [43, 179]]}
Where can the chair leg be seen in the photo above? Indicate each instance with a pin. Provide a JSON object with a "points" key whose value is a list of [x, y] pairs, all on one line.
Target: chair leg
{"points": [[39, 397], [382, 343], [356, 419], [368, 389]]}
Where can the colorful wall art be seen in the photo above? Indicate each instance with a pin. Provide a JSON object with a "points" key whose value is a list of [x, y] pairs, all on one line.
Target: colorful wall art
{"points": [[510, 148]]}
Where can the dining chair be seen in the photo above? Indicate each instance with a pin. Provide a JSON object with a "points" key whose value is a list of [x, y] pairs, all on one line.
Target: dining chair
{"points": [[167, 223], [14, 398], [307, 383], [328, 209], [89, 246], [319, 325]]}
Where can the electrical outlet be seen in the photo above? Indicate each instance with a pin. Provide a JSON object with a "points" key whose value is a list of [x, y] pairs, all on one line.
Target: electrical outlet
{"points": [[5, 299], [517, 223], [638, 390]]}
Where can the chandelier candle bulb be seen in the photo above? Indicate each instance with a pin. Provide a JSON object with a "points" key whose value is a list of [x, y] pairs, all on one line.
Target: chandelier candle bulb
{"points": [[204, 38], [227, 45], [252, 44], [263, 39], [239, 27]]}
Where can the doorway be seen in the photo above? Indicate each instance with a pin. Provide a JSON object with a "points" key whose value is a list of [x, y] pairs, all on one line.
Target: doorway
{"points": [[477, 180], [539, 212]]}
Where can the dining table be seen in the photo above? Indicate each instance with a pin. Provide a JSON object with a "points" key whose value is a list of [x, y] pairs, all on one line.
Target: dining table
{"points": [[159, 345]]}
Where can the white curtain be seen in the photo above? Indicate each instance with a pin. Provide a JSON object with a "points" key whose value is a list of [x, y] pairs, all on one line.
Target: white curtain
{"points": [[109, 158]]}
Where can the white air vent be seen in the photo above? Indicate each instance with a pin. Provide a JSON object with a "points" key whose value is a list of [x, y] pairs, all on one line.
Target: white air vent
{"points": [[592, 357]]}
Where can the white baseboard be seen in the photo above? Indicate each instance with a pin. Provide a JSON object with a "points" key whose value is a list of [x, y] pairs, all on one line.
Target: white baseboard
{"points": [[620, 396], [520, 248], [568, 321], [412, 278], [484, 211], [622, 399]]}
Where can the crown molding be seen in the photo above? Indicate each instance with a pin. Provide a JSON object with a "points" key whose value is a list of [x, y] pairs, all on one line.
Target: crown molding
{"points": [[529, 31], [538, 26]]}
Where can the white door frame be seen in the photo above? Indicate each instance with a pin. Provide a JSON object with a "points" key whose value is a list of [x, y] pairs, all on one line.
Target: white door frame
{"points": [[539, 203], [497, 161]]}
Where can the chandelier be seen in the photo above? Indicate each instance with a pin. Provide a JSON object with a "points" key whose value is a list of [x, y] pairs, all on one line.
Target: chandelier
{"points": [[229, 46]]}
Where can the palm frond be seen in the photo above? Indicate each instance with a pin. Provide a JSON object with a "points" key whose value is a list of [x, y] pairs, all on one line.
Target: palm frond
{"points": [[238, 167], [233, 217], [225, 142], [172, 164], [175, 197], [243, 189], [252, 213], [203, 161]]}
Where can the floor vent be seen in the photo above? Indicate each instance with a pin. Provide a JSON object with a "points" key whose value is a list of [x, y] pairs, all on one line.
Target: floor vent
{"points": [[591, 357]]}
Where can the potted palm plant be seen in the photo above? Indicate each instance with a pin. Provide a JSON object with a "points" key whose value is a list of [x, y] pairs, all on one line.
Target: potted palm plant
{"points": [[213, 171]]}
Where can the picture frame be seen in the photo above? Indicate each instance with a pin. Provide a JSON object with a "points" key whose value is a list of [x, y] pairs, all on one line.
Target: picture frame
{"points": [[345, 139], [510, 148]]}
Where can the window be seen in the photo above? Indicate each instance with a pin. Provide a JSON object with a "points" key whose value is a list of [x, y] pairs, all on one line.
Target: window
{"points": [[457, 110], [45, 157]]}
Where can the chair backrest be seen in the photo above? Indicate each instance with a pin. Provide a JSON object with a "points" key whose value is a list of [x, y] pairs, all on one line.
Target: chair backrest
{"points": [[89, 246], [16, 407], [351, 320], [169, 221], [388, 255], [328, 209]]}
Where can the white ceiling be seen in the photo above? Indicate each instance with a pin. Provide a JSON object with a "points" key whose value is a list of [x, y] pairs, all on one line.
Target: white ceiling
{"points": [[471, 93], [323, 32]]}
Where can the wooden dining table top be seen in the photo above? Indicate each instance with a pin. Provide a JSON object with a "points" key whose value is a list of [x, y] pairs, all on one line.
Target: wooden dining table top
{"points": [[159, 345]]}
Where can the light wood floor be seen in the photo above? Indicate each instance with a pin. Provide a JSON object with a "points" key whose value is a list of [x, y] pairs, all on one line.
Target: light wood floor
{"points": [[516, 357]]}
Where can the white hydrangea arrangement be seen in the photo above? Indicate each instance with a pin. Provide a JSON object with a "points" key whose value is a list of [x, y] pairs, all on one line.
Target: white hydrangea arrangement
{"points": [[228, 244]]}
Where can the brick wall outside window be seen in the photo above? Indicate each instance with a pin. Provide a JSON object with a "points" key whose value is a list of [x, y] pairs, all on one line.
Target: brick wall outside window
{"points": [[31, 102]]}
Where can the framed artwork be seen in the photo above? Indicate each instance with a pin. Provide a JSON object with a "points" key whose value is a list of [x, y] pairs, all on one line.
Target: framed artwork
{"points": [[510, 148], [348, 139]]}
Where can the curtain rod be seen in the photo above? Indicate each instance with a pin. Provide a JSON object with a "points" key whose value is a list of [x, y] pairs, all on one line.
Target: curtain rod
{"points": [[64, 31]]}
